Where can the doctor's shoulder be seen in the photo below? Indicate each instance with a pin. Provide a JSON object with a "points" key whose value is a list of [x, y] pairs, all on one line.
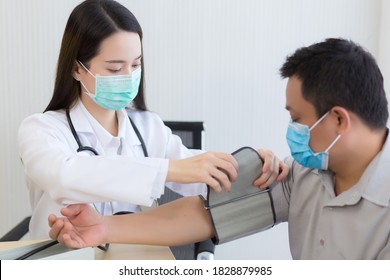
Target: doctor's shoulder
{"points": [[50, 120], [147, 121]]}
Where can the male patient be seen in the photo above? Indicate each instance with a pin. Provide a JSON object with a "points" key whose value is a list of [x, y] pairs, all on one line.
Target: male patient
{"points": [[336, 195]]}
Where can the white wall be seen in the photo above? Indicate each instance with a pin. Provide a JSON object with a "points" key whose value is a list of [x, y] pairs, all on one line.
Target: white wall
{"points": [[384, 44], [30, 38], [214, 61]]}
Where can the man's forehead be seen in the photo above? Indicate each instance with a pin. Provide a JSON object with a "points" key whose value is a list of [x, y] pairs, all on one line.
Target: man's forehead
{"points": [[295, 103], [293, 93]]}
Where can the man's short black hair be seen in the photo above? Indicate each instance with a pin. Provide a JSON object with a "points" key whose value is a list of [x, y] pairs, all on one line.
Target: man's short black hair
{"points": [[338, 72]]}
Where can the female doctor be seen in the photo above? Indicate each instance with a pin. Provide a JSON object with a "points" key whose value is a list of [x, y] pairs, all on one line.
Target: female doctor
{"points": [[96, 142]]}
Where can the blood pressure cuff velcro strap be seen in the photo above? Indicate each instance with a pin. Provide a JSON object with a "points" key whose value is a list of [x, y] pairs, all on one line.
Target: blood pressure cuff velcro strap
{"points": [[245, 210]]}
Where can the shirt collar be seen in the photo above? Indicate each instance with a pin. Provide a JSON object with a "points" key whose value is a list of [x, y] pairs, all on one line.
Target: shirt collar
{"points": [[371, 186], [376, 178]]}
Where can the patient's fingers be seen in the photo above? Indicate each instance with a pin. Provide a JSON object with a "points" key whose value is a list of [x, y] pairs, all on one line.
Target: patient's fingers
{"points": [[71, 210], [283, 171], [69, 237], [56, 228], [52, 219], [273, 169]]}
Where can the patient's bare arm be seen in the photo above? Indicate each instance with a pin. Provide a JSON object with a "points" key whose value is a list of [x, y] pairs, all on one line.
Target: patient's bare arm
{"points": [[179, 222]]}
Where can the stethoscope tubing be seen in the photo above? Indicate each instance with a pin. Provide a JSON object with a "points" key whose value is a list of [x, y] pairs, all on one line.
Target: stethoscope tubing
{"points": [[90, 149]]}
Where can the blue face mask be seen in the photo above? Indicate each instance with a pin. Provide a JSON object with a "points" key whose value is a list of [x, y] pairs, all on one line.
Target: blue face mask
{"points": [[114, 92], [298, 137]]}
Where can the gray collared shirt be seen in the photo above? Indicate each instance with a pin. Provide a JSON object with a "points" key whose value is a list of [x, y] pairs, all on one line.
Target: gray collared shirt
{"points": [[352, 225]]}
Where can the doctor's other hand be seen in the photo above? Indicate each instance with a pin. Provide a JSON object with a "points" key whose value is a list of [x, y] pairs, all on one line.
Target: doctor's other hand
{"points": [[273, 169], [212, 168], [80, 227]]}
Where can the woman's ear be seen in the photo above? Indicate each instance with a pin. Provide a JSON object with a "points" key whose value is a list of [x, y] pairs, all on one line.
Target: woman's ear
{"points": [[77, 70], [342, 118]]}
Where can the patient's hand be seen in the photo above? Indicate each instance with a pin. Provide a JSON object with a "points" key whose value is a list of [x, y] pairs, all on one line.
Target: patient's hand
{"points": [[274, 169], [80, 227]]}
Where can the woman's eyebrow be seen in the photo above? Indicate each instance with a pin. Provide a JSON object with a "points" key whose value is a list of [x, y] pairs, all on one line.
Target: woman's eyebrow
{"points": [[115, 61], [121, 61]]}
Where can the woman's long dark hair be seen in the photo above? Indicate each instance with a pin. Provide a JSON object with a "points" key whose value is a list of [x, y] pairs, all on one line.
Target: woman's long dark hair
{"points": [[88, 25]]}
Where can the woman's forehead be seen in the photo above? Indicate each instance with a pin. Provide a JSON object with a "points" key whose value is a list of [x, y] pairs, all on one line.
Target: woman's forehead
{"points": [[121, 46]]}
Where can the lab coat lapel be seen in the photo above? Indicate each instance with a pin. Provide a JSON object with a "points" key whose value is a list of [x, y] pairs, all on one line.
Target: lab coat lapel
{"points": [[131, 145], [84, 129]]}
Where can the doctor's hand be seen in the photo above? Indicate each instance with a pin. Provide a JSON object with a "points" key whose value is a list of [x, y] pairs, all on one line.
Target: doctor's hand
{"points": [[273, 169], [80, 227], [214, 169]]}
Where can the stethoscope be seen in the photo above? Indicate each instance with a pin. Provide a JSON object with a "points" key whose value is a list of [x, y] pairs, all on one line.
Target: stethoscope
{"points": [[82, 148], [87, 148], [90, 149]]}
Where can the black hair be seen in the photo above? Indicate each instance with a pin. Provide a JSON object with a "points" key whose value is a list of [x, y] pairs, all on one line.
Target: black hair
{"points": [[88, 25], [338, 72]]}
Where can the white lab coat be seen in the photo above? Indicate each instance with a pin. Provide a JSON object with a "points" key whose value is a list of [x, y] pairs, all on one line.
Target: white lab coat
{"points": [[58, 175]]}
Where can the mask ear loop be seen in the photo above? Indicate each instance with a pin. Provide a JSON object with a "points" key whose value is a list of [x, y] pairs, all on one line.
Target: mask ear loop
{"points": [[334, 141], [87, 91], [86, 69], [317, 122], [332, 144], [81, 82]]}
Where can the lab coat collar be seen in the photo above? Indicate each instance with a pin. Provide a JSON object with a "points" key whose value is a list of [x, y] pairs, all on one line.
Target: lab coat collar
{"points": [[126, 129], [81, 121]]}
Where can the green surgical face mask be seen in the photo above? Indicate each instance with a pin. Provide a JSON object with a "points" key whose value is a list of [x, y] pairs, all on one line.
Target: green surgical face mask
{"points": [[114, 92]]}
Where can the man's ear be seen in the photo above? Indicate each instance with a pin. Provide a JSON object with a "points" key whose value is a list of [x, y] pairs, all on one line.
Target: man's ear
{"points": [[342, 118], [77, 70]]}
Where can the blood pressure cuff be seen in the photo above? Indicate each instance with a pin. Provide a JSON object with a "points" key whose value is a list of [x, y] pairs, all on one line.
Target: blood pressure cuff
{"points": [[244, 210]]}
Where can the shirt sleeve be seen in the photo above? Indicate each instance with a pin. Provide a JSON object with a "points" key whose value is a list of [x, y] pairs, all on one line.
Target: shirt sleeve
{"points": [[281, 193], [385, 252]]}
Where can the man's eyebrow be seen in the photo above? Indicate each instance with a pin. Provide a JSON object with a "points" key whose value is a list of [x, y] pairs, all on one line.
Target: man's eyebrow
{"points": [[290, 109]]}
